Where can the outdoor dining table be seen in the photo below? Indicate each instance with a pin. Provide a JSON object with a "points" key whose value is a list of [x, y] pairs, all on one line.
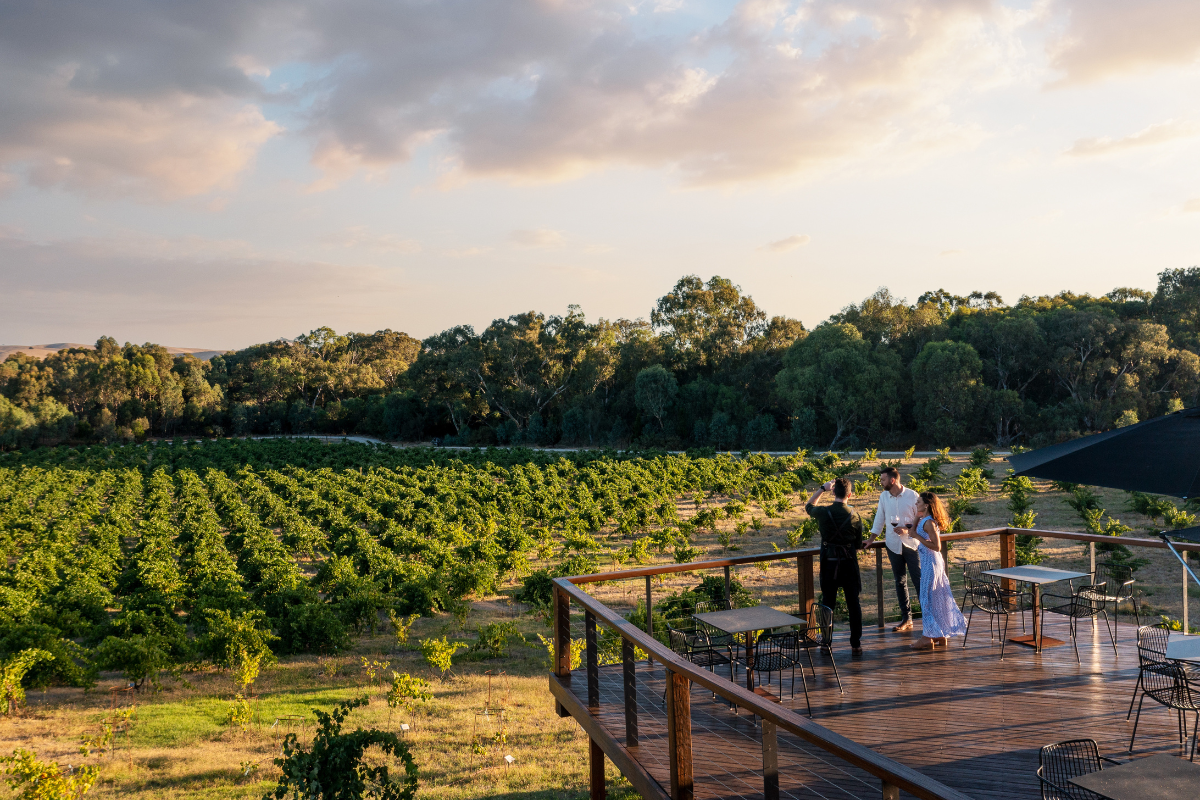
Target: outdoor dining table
{"points": [[1037, 576], [1183, 648], [749, 620], [1159, 777]]}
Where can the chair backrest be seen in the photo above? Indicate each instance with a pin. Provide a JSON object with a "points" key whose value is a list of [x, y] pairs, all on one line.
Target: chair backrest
{"points": [[1167, 679], [705, 606], [1117, 579], [1065, 760], [680, 642], [973, 572], [768, 656], [820, 625], [1152, 644], [988, 597]]}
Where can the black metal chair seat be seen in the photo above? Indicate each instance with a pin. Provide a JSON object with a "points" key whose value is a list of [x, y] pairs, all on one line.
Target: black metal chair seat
{"points": [[769, 657], [1058, 763], [1112, 585], [1167, 684], [1080, 605], [997, 603]]}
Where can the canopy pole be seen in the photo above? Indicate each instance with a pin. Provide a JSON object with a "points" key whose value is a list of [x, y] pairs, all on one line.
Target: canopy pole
{"points": [[1186, 571]]}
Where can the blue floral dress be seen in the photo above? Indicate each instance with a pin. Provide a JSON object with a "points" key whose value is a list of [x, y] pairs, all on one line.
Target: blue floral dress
{"points": [[940, 616]]}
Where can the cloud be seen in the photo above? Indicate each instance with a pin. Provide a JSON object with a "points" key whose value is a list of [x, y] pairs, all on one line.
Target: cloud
{"points": [[1152, 135], [541, 237], [948, 253], [1105, 38], [190, 287], [358, 236], [1192, 206], [132, 99], [785, 245]]}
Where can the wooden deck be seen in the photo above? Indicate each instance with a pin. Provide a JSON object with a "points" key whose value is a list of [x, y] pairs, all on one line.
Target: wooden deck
{"points": [[960, 716]]}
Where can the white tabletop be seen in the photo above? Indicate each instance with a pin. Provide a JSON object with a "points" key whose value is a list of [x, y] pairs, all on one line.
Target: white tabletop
{"points": [[1184, 648], [1035, 574]]}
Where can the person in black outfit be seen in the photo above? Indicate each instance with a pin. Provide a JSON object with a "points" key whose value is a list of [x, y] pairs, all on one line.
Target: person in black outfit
{"points": [[841, 539]]}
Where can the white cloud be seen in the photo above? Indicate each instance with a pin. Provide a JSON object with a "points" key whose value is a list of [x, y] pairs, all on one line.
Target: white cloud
{"points": [[786, 245], [1105, 38], [541, 237], [1192, 206], [358, 236], [1155, 134]]}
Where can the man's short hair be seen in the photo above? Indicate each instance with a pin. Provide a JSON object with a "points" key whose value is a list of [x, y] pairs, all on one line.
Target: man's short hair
{"points": [[841, 488], [892, 472]]}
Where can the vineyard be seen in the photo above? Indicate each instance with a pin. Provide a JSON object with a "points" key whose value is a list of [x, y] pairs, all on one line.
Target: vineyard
{"points": [[166, 568]]}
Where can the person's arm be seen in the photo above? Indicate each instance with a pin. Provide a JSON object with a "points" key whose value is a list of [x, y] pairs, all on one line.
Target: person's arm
{"points": [[877, 526], [934, 542], [812, 501]]}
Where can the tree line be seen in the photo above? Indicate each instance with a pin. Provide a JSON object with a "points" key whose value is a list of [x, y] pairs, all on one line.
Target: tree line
{"points": [[709, 368]]}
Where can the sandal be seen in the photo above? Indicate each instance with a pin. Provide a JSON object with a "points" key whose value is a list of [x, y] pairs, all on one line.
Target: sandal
{"points": [[923, 644]]}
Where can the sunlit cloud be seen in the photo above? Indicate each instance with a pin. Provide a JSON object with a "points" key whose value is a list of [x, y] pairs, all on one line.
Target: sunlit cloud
{"points": [[949, 253], [1192, 206], [359, 236], [541, 237], [786, 245], [1105, 38], [1155, 134]]}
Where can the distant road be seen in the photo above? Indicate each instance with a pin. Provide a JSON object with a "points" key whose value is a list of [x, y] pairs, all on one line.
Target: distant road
{"points": [[373, 440]]}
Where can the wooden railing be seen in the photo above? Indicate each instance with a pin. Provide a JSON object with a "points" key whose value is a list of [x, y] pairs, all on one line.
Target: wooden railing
{"points": [[681, 673]]}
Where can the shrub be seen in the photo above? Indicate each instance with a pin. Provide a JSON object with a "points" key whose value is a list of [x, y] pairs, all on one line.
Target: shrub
{"points": [[70, 664], [229, 639], [46, 780], [311, 628], [334, 767], [139, 658], [493, 639], [712, 588], [407, 691], [537, 588], [438, 653], [401, 626], [12, 676]]}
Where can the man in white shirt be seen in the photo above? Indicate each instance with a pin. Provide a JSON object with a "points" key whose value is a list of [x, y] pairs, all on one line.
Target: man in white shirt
{"points": [[898, 511]]}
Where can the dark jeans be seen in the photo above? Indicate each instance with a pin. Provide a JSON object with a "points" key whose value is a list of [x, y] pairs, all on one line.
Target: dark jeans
{"points": [[843, 575], [907, 562]]}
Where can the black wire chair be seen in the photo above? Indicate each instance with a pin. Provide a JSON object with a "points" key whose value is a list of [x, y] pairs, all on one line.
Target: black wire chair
{"points": [[1058, 763], [1152, 654], [770, 658], [1113, 585], [695, 647], [1167, 684], [975, 581], [1083, 604], [997, 603], [716, 636], [818, 635]]}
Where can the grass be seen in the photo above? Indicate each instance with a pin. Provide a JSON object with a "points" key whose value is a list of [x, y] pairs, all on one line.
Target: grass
{"points": [[182, 747]]}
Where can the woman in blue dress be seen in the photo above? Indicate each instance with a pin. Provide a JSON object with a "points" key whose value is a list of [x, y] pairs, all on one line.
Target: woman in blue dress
{"points": [[940, 616]]}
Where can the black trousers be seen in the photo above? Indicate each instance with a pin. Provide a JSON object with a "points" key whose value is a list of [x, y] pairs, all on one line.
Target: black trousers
{"points": [[844, 575], [906, 562]]}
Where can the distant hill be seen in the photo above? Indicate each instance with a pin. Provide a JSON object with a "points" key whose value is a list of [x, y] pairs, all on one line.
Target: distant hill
{"points": [[40, 351]]}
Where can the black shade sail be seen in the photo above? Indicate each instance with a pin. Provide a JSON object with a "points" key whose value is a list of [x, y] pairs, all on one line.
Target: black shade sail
{"points": [[1159, 456]]}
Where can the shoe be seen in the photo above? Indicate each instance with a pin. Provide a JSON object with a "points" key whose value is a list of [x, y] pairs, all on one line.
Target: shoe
{"points": [[902, 627], [856, 651], [923, 644]]}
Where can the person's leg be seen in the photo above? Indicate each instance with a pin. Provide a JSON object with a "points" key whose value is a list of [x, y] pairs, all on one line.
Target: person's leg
{"points": [[829, 587], [900, 572], [852, 586], [913, 560]]}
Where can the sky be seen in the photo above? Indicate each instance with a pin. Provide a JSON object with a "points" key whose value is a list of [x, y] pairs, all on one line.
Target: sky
{"points": [[216, 174]]}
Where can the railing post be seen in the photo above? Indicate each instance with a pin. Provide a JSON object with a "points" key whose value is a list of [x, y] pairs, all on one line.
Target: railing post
{"points": [[649, 611], [596, 757], [631, 720], [804, 584], [679, 735], [890, 791], [1008, 559], [728, 598], [879, 585], [1185, 596], [593, 661], [770, 750], [562, 640], [1092, 562]]}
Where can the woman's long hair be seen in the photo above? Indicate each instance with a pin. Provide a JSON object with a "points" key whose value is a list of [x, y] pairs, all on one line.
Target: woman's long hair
{"points": [[937, 510]]}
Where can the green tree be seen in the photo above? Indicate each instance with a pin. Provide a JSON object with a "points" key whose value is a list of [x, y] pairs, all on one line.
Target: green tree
{"points": [[851, 387], [705, 323], [655, 391], [947, 396]]}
